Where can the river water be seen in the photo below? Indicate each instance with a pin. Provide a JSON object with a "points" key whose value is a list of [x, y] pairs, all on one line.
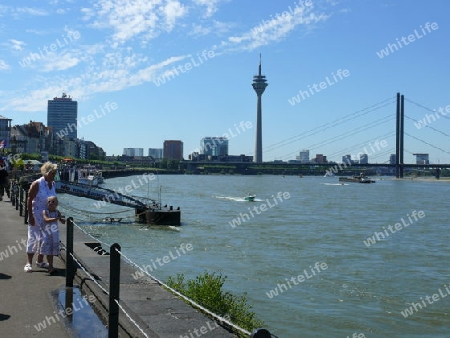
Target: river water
{"points": [[301, 250]]}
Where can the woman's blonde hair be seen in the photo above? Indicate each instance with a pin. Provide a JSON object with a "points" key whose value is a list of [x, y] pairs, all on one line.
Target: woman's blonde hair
{"points": [[47, 168]]}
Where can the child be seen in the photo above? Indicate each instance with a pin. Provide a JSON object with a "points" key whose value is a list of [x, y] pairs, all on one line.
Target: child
{"points": [[50, 234]]}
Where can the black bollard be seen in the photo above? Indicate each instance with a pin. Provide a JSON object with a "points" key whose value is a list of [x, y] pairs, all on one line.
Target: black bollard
{"points": [[70, 268], [261, 333], [114, 291]]}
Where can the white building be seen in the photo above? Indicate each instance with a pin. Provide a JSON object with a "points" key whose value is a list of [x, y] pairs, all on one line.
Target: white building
{"points": [[304, 156], [134, 152]]}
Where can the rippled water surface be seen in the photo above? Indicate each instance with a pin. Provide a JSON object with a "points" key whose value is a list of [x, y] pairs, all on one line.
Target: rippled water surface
{"points": [[293, 224]]}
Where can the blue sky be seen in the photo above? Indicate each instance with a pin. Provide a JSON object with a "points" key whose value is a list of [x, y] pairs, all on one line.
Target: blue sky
{"points": [[118, 53]]}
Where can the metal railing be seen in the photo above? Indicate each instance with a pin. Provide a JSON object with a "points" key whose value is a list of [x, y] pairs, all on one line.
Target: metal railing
{"points": [[18, 197]]}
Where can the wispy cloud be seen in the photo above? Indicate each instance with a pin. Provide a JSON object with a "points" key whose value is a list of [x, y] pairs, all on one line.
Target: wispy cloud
{"points": [[112, 64], [4, 65], [35, 31], [62, 61], [21, 12], [211, 5], [215, 27], [144, 19], [16, 44], [31, 11], [274, 30], [122, 71]]}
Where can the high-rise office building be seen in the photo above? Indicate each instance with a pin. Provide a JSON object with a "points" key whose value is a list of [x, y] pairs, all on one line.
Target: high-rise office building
{"points": [[156, 153], [347, 159], [173, 150], [393, 159], [134, 152], [422, 158], [5, 132], [214, 146], [363, 159], [320, 158], [62, 116], [304, 156]]}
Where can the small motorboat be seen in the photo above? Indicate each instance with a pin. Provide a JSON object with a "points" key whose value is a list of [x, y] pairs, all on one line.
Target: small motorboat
{"points": [[250, 198], [111, 219]]}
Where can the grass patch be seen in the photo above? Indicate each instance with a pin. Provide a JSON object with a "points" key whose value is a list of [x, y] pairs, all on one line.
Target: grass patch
{"points": [[206, 289]]}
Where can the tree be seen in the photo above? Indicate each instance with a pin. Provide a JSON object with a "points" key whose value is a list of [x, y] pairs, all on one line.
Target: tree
{"points": [[163, 163], [173, 164]]}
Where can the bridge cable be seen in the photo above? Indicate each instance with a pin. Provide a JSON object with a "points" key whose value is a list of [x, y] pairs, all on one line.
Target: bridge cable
{"points": [[349, 149], [345, 135], [426, 125], [433, 146], [426, 108], [334, 123]]}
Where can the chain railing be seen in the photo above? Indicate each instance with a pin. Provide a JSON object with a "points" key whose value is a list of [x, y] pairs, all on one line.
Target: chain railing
{"points": [[18, 196]]}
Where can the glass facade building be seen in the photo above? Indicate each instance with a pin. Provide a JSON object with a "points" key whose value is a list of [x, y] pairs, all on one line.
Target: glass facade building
{"points": [[214, 146], [62, 116]]}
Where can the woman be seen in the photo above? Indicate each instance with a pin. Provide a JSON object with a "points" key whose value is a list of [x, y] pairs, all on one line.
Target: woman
{"points": [[40, 191]]}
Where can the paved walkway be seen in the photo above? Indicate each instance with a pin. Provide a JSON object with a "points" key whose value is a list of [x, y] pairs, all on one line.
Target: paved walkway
{"points": [[25, 297]]}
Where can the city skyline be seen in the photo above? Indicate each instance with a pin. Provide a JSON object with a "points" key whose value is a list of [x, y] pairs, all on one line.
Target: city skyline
{"points": [[181, 71], [218, 146]]}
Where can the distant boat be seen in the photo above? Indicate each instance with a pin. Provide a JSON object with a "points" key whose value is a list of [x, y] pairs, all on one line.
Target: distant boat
{"points": [[89, 175], [250, 198], [111, 219], [329, 174], [356, 179]]}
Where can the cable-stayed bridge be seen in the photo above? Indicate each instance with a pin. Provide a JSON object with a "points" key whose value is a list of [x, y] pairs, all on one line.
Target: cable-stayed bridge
{"points": [[384, 120], [391, 122]]}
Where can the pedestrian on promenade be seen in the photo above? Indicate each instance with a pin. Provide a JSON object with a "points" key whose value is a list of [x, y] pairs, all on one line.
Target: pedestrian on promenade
{"points": [[3, 180], [50, 233], [40, 190]]}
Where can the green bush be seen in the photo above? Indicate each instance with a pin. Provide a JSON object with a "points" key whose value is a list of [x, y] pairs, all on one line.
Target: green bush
{"points": [[206, 290]]}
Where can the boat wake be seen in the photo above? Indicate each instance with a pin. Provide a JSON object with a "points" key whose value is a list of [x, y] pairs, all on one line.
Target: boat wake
{"points": [[236, 199], [160, 227], [334, 183]]}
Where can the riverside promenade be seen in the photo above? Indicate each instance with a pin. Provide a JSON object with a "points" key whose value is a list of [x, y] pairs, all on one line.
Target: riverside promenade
{"points": [[27, 299]]}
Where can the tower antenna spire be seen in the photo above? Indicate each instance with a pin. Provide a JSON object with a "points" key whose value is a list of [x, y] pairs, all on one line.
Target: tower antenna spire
{"points": [[259, 64]]}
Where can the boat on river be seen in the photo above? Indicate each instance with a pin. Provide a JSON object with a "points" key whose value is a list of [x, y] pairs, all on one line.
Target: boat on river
{"points": [[356, 179], [250, 198], [89, 175]]}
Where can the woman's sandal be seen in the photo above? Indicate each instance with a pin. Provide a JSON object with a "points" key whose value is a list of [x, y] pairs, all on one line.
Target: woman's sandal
{"points": [[28, 268]]}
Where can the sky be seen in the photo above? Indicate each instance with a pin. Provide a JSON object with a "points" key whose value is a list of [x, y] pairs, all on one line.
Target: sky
{"points": [[145, 71]]}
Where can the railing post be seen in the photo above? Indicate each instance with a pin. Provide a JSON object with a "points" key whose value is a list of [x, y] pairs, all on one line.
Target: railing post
{"points": [[13, 196], [25, 218], [17, 197], [114, 290], [70, 268], [21, 202], [8, 190]]}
